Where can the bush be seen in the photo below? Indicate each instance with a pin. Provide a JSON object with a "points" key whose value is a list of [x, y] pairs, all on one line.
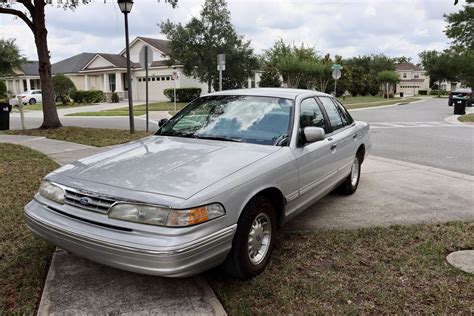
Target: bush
{"points": [[115, 97], [435, 92], [183, 94], [423, 92], [63, 87], [91, 96]]}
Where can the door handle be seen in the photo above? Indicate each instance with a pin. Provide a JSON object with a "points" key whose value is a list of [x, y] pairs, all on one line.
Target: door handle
{"points": [[333, 146], [354, 136]]}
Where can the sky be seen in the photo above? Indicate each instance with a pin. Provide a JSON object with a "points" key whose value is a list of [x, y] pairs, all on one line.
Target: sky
{"points": [[344, 27]]}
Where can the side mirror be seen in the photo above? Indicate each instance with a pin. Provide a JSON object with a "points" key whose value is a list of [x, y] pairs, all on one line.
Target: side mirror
{"points": [[313, 134], [162, 122]]}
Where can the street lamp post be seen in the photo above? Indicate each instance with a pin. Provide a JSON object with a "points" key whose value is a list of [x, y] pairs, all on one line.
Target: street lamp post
{"points": [[126, 7]]}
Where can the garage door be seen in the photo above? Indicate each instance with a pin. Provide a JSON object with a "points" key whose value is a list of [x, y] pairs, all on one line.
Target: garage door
{"points": [[156, 86]]}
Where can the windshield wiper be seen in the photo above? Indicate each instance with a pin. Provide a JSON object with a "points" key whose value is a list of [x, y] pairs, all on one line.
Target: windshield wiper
{"points": [[218, 138]]}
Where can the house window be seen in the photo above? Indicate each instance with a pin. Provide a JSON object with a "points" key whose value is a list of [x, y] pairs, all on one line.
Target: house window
{"points": [[112, 84], [168, 78], [404, 75], [153, 79], [417, 76]]}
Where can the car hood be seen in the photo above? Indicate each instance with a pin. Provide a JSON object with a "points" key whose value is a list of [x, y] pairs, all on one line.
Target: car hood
{"points": [[178, 167]]}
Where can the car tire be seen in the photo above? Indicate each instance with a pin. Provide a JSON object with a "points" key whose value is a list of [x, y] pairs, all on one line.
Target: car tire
{"points": [[32, 101], [349, 186], [253, 241]]}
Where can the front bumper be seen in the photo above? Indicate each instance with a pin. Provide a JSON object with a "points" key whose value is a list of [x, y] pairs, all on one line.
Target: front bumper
{"points": [[136, 253]]}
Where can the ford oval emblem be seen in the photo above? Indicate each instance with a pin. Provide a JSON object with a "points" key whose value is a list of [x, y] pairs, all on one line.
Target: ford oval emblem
{"points": [[84, 200]]}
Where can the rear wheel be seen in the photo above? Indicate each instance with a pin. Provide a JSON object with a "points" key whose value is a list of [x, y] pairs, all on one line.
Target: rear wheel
{"points": [[351, 183], [253, 240], [32, 101]]}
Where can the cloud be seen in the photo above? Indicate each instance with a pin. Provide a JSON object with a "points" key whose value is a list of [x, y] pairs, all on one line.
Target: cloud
{"points": [[344, 27]]}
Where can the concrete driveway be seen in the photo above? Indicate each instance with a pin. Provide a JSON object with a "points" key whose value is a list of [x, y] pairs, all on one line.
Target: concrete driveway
{"points": [[393, 192]]}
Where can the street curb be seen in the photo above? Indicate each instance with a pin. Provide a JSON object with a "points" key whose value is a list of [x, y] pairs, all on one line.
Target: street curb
{"points": [[385, 106], [453, 119], [411, 165]]}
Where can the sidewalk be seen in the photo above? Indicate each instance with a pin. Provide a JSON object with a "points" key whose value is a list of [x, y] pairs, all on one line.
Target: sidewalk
{"points": [[453, 119], [86, 108]]}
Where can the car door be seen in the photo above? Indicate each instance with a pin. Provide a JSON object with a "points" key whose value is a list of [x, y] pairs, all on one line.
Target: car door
{"points": [[38, 96], [343, 135], [313, 159]]}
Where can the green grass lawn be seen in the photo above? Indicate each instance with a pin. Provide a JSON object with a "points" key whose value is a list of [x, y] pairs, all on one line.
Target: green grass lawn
{"points": [[137, 110], [394, 270], [358, 105], [88, 136], [363, 99], [467, 118], [24, 259]]}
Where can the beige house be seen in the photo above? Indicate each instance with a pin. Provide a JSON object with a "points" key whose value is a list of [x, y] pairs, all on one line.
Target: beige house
{"points": [[108, 72], [412, 79]]}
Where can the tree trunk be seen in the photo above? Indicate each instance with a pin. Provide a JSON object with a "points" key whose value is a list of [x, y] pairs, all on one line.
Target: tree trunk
{"points": [[209, 85], [50, 114]]}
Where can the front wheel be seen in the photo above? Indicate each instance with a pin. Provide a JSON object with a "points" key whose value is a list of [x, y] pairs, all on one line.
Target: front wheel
{"points": [[253, 240], [32, 101], [351, 183]]}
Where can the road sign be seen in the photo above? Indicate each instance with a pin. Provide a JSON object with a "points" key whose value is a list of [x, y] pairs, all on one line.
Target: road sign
{"points": [[336, 67], [221, 62], [145, 58], [336, 74]]}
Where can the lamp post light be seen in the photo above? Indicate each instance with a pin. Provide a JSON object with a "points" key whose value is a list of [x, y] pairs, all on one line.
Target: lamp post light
{"points": [[126, 7]]}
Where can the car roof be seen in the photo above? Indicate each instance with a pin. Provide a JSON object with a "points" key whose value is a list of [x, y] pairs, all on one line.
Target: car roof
{"points": [[286, 93]]}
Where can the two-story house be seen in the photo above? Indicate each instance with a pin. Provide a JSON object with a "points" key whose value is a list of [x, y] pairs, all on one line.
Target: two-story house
{"points": [[413, 78]]}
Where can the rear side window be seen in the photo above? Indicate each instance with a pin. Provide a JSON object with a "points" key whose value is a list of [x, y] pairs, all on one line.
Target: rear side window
{"points": [[333, 113], [346, 117]]}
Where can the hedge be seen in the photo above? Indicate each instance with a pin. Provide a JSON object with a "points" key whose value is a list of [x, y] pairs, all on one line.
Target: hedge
{"points": [[183, 94], [422, 92], [91, 96], [435, 92]]}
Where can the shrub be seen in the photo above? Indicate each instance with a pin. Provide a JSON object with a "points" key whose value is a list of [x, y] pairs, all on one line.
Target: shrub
{"points": [[115, 97], [183, 94], [63, 87], [423, 92], [435, 92], [91, 96]]}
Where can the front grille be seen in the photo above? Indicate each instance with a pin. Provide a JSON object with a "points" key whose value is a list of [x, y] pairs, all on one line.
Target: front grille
{"points": [[89, 202]]}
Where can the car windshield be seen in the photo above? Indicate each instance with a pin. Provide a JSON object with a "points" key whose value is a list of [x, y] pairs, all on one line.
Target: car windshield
{"points": [[249, 119]]}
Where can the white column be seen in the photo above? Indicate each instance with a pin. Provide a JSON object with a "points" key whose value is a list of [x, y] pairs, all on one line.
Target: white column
{"points": [[28, 84], [118, 82], [86, 82], [106, 83]]}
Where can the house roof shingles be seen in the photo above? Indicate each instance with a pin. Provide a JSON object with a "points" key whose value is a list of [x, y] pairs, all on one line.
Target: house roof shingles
{"points": [[72, 64], [30, 68], [408, 66], [162, 45]]}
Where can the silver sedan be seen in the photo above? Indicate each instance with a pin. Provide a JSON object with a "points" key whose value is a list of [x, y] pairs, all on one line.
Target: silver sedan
{"points": [[211, 187]]}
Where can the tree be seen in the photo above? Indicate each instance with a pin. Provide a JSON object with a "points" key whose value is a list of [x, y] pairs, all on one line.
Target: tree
{"points": [[63, 87], [10, 57], [3, 89], [196, 45], [387, 78], [461, 26], [32, 12], [439, 66], [401, 60], [270, 77]]}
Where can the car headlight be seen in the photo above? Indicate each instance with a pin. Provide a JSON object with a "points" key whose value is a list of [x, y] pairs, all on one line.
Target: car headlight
{"points": [[51, 191], [161, 216]]}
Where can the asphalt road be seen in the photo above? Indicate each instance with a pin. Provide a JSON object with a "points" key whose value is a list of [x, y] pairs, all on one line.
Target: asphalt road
{"points": [[418, 133], [414, 133]]}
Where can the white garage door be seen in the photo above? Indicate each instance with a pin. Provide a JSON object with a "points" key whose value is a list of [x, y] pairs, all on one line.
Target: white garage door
{"points": [[156, 86]]}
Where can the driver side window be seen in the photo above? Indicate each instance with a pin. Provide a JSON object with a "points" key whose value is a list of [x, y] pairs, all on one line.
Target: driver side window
{"points": [[311, 114]]}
